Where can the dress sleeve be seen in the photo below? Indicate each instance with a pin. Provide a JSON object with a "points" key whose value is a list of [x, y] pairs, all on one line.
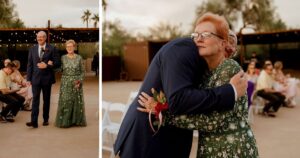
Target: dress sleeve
{"points": [[81, 69], [214, 120], [61, 67]]}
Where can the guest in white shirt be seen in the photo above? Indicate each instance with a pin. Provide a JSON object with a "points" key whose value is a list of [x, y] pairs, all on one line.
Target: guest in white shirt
{"points": [[265, 90]]}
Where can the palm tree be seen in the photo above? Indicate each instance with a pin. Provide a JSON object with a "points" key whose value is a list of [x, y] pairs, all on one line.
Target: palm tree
{"points": [[86, 17], [96, 19]]}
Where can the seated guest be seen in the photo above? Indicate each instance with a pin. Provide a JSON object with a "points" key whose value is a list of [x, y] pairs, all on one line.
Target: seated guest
{"points": [[13, 100], [18, 81], [252, 73], [265, 90], [288, 84]]}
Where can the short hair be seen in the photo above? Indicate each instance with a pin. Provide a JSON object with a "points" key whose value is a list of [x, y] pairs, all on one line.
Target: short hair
{"points": [[232, 45], [218, 21], [43, 33], [6, 61], [232, 38], [17, 63], [278, 65], [71, 41], [266, 66], [10, 65]]}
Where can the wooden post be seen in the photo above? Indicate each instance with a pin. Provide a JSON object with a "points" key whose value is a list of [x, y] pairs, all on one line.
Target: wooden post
{"points": [[48, 31], [242, 53]]}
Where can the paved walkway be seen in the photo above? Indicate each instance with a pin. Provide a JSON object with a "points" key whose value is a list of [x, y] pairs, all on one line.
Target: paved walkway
{"points": [[19, 141], [276, 137]]}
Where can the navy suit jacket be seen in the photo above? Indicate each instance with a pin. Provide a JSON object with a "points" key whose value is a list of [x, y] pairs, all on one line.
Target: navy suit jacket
{"points": [[42, 76], [176, 70]]}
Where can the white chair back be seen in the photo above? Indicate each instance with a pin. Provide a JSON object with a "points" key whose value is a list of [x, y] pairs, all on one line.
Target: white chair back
{"points": [[110, 127], [105, 114], [132, 96], [117, 109]]}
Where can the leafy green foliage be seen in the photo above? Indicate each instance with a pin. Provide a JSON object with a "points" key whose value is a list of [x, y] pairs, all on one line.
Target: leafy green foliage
{"points": [[8, 17], [164, 32], [113, 39], [259, 13]]}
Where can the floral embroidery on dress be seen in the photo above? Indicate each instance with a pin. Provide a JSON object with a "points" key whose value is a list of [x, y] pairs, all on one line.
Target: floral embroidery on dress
{"points": [[70, 111], [221, 134]]}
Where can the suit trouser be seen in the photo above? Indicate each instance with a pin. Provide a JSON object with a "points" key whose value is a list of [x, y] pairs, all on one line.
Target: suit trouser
{"points": [[275, 99], [36, 91], [14, 102]]}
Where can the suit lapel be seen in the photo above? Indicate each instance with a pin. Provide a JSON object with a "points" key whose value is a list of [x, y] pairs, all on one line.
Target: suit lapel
{"points": [[36, 53]]}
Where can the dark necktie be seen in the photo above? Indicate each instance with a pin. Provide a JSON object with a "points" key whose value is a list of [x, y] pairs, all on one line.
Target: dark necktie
{"points": [[41, 53]]}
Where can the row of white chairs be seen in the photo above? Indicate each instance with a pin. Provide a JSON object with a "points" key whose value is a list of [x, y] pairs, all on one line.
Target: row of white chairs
{"points": [[111, 125]]}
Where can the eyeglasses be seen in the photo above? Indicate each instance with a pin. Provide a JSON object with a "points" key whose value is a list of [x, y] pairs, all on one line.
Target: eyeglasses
{"points": [[269, 69], [204, 35]]}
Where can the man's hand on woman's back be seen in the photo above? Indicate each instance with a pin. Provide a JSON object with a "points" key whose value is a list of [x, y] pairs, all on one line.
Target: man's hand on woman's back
{"points": [[240, 83]]}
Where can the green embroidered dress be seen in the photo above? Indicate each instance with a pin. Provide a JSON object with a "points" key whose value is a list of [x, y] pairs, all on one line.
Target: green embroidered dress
{"points": [[221, 134], [70, 111]]}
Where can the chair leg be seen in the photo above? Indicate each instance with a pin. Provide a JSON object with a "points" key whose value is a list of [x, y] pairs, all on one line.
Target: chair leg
{"points": [[250, 114], [112, 155]]}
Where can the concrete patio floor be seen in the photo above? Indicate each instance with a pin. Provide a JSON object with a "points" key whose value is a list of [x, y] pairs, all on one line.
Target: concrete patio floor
{"points": [[276, 137], [19, 141]]}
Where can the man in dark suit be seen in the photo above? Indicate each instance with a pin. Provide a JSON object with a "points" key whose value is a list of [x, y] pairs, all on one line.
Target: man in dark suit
{"points": [[177, 70], [42, 60]]}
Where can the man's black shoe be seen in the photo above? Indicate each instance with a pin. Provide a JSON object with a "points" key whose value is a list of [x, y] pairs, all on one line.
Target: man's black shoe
{"points": [[268, 114], [45, 123], [9, 119], [30, 124]]}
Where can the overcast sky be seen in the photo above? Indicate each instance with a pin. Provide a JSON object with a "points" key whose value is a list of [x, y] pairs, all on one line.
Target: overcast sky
{"points": [[138, 15], [36, 13]]}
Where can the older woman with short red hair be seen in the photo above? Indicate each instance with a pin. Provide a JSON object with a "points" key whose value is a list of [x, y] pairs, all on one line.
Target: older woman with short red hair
{"points": [[221, 134]]}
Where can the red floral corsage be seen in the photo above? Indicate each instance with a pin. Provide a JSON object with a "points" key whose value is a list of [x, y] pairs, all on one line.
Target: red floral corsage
{"points": [[161, 105]]}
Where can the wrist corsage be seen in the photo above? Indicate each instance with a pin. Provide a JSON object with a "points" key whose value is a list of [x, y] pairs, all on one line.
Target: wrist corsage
{"points": [[161, 106]]}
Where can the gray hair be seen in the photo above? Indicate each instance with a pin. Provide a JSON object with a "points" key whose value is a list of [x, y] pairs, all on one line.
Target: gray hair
{"points": [[42, 33], [233, 37]]}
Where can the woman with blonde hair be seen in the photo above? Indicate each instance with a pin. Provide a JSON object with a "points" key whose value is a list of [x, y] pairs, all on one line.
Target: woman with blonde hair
{"points": [[19, 82], [71, 111], [285, 83]]}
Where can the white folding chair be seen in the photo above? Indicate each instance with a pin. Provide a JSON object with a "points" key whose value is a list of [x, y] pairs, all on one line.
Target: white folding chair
{"points": [[132, 96], [105, 123], [258, 102], [257, 105], [110, 126], [251, 114], [105, 114]]}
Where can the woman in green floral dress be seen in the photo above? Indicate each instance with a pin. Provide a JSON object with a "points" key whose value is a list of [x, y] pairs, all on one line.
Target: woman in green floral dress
{"points": [[70, 111], [221, 134]]}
